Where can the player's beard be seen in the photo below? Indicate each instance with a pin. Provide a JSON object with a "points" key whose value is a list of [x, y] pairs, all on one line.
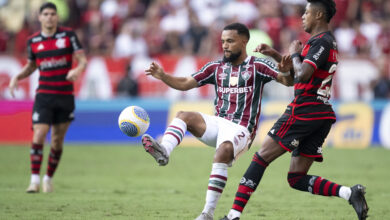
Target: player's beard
{"points": [[233, 57]]}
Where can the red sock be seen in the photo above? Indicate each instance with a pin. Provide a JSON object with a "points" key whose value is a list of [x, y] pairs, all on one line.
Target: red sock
{"points": [[36, 158], [54, 159]]}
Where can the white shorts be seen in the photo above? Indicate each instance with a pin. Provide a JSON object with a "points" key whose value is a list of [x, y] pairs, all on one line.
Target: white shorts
{"points": [[219, 130]]}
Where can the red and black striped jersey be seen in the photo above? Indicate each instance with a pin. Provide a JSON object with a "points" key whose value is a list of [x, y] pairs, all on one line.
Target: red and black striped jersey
{"points": [[311, 100], [53, 57], [238, 88]]}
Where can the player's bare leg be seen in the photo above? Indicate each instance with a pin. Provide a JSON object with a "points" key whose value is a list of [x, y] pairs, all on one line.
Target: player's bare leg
{"points": [[57, 139], [298, 179], [191, 121], [40, 132], [252, 177]]}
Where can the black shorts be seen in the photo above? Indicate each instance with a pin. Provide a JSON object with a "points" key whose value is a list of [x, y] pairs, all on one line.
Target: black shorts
{"points": [[53, 109], [301, 137]]}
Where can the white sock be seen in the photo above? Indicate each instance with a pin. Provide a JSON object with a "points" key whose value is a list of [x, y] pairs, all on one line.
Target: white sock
{"points": [[217, 182], [35, 178], [233, 214], [345, 192], [173, 135], [46, 178]]}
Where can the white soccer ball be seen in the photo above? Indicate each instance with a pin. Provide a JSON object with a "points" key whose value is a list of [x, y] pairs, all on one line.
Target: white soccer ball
{"points": [[133, 121]]}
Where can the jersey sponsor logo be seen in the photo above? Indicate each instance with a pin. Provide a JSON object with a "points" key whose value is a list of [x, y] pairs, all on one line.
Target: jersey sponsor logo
{"points": [[36, 39], [40, 47], [51, 63], [269, 63], [60, 43], [235, 90], [60, 35], [233, 80], [74, 43], [272, 131], [317, 55]]}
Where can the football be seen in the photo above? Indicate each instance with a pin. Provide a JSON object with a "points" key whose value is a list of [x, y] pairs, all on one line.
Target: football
{"points": [[133, 121]]}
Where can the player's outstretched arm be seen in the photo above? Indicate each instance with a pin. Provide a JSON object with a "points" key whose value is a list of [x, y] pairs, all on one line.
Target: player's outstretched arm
{"points": [[286, 73], [75, 73], [268, 51], [27, 70], [179, 83]]}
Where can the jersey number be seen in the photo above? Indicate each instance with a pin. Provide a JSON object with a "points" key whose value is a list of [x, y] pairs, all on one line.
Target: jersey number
{"points": [[324, 89]]}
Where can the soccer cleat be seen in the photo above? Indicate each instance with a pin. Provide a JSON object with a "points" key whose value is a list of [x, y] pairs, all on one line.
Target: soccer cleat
{"points": [[204, 216], [358, 201], [33, 188], [154, 149], [47, 186], [226, 218]]}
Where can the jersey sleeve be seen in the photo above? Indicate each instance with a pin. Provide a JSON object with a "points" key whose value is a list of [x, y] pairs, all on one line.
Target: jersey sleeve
{"points": [[266, 69], [76, 45], [206, 75], [30, 53], [318, 53]]}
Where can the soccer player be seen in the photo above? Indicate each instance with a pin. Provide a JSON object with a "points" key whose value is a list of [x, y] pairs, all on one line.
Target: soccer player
{"points": [[51, 50], [307, 120], [239, 81]]}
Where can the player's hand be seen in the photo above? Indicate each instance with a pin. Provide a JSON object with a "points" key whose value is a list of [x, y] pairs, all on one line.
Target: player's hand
{"points": [[73, 75], [264, 49], [155, 70], [13, 84], [295, 47], [285, 64]]}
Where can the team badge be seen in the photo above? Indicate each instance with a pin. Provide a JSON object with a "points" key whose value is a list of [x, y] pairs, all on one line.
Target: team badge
{"points": [[60, 43], [233, 80], [245, 75]]}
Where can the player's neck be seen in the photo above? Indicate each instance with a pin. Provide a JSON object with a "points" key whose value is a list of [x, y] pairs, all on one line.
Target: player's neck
{"points": [[240, 60], [48, 32], [319, 29]]}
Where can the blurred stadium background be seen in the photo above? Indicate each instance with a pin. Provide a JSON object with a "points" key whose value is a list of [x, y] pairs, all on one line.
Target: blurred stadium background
{"points": [[121, 38]]}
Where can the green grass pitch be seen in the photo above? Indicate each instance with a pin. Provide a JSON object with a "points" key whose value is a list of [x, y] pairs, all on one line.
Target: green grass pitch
{"points": [[123, 182]]}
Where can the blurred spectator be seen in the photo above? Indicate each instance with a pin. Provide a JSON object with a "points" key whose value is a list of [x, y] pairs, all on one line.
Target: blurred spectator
{"points": [[130, 40], [128, 28], [128, 86], [381, 85]]}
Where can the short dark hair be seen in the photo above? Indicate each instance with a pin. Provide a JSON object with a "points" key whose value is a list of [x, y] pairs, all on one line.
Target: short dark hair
{"points": [[47, 5], [240, 28], [328, 5]]}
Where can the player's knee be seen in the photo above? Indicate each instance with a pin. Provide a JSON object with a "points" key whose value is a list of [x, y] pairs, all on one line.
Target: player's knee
{"points": [[188, 117]]}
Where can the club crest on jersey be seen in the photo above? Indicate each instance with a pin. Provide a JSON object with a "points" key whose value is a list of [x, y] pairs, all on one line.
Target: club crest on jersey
{"points": [[245, 75], [60, 43], [233, 80]]}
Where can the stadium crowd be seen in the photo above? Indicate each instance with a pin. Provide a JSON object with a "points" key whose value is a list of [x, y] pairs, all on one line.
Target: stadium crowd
{"points": [[125, 28]]}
